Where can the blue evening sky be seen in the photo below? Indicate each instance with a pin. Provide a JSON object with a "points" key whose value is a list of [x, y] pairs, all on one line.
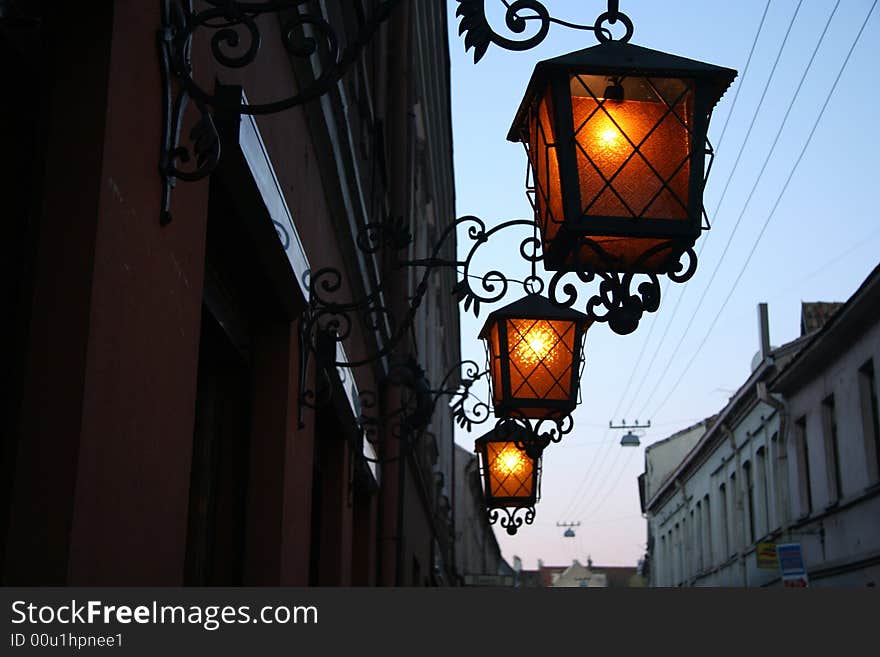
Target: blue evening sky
{"points": [[819, 245]]}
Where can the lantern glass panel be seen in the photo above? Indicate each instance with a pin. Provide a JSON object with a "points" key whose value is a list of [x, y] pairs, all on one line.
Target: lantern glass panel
{"points": [[547, 200], [495, 364], [633, 156], [511, 471], [541, 355]]}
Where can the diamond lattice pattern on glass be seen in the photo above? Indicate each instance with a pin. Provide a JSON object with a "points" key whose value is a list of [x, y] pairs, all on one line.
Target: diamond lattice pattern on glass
{"points": [[541, 354], [633, 155], [545, 167], [510, 470]]}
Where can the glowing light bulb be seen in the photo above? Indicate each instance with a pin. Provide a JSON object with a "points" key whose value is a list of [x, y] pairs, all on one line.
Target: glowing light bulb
{"points": [[536, 345], [511, 461], [608, 136]]}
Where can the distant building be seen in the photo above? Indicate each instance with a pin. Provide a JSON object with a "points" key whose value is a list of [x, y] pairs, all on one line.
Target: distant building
{"points": [[478, 557], [579, 575], [793, 458]]}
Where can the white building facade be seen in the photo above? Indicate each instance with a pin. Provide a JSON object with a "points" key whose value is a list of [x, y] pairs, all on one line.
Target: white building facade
{"points": [[830, 392], [727, 494], [793, 458]]}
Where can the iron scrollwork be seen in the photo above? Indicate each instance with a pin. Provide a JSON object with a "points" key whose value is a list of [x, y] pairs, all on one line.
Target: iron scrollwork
{"points": [[479, 34], [620, 301], [513, 518], [235, 43]]}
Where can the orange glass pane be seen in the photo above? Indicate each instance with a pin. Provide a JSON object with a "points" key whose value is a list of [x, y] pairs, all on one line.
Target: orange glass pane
{"points": [[545, 168], [633, 156], [495, 364], [630, 252], [616, 178], [541, 356], [511, 471]]}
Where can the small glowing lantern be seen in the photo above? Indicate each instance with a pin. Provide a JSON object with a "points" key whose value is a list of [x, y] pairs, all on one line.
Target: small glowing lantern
{"points": [[511, 470], [616, 139], [535, 354]]}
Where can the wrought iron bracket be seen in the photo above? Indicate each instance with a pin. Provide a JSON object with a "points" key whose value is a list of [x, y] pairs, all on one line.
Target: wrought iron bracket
{"points": [[478, 33], [235, 43]]}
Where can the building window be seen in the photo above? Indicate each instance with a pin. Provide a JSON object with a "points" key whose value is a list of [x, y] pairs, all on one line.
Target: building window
{"points": [[870, 418], [698, 534], [660, 572], [722, 522], [763, 476], [780, 480], [832, 449], [707, 531], [803, 465], [679, 575], [733, 515], [750, 503]]}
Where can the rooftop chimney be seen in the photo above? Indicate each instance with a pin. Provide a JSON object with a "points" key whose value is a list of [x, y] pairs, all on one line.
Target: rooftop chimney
{"points": [[763, 330]]}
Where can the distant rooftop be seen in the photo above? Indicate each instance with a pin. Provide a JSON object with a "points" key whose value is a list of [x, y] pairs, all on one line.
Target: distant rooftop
{"points": [[814, 314]]}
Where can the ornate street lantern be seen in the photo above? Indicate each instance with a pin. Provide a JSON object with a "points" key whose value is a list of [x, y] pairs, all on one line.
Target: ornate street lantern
{"points": [[535, 353], [616, 140], [510, 465]]}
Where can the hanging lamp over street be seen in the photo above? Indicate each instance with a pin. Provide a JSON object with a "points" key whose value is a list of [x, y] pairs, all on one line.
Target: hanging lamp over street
{"points": [[535, 351], [616, 137], [511, 470]]}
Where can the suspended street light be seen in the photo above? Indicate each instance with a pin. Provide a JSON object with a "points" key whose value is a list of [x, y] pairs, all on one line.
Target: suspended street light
{"points": [[510, 464], [534, 349]]}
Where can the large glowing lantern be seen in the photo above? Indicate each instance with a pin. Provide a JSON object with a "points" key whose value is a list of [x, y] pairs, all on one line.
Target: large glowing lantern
{"points": [[535, 354], [616, 140]]}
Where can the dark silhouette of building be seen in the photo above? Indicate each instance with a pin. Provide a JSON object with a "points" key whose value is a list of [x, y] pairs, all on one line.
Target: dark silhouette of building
{"points": [[152, 429]]}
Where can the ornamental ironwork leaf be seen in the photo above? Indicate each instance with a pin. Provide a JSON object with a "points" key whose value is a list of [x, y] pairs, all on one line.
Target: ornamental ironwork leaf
{"points": [[465, 294], [474, 26]]}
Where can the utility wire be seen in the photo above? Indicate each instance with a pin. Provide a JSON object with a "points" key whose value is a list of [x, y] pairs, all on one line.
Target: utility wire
{"points": [[727, 186], [579, 490], [718, 205], [615, 481], [776, 203]]}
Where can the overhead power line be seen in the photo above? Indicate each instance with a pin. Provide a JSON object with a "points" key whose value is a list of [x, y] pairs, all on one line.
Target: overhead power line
{"points": [[727, 186], [775, 204], [610, 444]]}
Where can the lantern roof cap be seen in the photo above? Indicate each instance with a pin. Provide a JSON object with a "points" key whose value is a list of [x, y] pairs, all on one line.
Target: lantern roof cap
{"points": [[622, 58], [533, 306], [506, 431]]}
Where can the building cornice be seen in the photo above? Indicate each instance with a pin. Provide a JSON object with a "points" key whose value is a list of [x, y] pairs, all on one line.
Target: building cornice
{"points": [[833, 339]]}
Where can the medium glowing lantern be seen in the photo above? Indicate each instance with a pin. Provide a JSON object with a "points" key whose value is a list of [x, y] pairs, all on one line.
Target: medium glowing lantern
{"points": [[616, 139], [535, 354]]}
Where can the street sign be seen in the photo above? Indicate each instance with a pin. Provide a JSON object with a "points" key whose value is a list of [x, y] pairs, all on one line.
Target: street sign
{"points": [[791, 565], [766, 556]]}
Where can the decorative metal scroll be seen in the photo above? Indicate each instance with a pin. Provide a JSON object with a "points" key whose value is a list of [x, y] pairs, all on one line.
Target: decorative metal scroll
{"points": [[235, 43], [478, 33], [513, 518], [620, 300]]}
